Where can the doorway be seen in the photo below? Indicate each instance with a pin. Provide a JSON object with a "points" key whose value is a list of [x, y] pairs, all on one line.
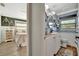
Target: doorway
{"points": [[13, 29]]}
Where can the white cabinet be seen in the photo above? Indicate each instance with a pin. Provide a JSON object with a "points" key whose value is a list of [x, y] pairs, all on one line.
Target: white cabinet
{"points": [[7, 34], [51, 44]]}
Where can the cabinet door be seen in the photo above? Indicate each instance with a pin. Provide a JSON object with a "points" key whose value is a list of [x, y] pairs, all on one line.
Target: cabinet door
{"points": [[49, 45], [8, 34]]}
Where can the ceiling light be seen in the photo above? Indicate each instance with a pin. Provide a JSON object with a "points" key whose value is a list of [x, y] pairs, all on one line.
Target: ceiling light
{"points": [[46, 7], [53, 12]]}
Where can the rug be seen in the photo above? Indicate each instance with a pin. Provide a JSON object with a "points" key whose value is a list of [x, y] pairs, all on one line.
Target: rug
{"points": [[67, 51]]}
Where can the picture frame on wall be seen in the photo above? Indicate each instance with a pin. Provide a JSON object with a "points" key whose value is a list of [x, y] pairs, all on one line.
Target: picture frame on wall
{"points": [[7, 21]]}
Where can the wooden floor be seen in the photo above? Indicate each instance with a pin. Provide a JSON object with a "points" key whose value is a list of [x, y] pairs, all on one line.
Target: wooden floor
{"points": [[11, 49]]}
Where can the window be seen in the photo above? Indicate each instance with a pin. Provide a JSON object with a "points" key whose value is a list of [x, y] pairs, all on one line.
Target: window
{"points": [[68, 24], [21, 26]]}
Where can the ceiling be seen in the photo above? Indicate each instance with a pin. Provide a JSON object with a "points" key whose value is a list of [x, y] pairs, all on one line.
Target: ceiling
{"points": [[16, 10], [62, 7]]}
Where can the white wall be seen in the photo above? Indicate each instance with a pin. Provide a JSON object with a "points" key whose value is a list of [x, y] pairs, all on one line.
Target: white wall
{"points": [[0, 22], [68, 36], [78, 18]]}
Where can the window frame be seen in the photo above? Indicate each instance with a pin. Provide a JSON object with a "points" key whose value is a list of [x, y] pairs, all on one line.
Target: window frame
{"points": [[75, 18]]}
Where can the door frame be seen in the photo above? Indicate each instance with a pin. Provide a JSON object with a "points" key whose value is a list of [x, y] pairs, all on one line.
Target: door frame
{"points": [[29, 28], [35, 12]]}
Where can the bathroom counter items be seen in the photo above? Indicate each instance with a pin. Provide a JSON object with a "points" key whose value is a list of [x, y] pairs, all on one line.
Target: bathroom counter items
{"points": [[22, 33], [50, 34]]}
